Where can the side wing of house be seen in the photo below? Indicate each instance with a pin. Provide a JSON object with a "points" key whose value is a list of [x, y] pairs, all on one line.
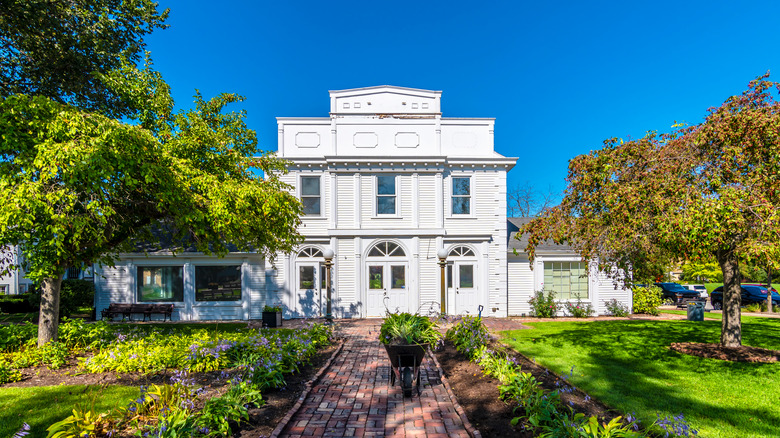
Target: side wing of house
{"points": [[200, 287], [557, 268]]}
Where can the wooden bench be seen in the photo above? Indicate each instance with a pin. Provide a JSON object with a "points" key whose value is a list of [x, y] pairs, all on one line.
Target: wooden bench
{"points": [[147, 309]]}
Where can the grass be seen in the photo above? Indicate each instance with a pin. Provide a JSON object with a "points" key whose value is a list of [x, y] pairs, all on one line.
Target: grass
{"points": [[44, 405], [628, 366]]}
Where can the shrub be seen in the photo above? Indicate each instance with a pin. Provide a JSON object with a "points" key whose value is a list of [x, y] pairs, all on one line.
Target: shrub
{"points": [[16, 304], [8, 373], [616, 308], [468, 336], [578, 309], [405, 328], [647, 299], [756, 307], [544, 306], [75, 294]]}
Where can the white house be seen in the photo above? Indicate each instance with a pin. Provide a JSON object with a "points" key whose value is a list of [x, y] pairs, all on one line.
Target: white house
{"points": [[387, 183], [15, 281], [388, 186]]}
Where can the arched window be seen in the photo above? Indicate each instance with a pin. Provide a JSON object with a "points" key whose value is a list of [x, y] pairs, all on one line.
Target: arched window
{"points": [[386, 249], [310, 252], [461, 251]]}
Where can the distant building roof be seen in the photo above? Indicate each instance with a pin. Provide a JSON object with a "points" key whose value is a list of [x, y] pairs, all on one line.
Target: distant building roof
{"points": [[514, 224]]}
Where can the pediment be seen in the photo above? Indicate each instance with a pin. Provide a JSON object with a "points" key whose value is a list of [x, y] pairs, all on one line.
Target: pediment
{"points": [[385, 99]]}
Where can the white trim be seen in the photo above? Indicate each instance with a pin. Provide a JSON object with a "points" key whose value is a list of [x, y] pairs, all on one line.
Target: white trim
{"points": [[460, 175], [299, 194], [396, 197]]}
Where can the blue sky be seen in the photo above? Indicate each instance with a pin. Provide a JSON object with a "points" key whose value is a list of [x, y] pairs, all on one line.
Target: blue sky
{"points": [[559, 77]]}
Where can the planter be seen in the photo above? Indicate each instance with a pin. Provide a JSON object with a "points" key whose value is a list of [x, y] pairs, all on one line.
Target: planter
{"points": [[272, 319]]}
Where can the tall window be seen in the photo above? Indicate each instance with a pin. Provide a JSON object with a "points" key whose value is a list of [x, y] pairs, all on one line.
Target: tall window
{"points": [[218, 283], [569, 280], [461, 195], [310, 194], [160, 283], [385, 194]]}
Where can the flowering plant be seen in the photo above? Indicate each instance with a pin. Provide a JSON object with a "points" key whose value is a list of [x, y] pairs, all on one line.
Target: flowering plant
{"points": [[544, 306], [272, 308]]}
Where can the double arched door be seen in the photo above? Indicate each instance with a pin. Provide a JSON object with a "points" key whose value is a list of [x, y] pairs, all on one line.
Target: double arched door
{"points": [[387, 275]]}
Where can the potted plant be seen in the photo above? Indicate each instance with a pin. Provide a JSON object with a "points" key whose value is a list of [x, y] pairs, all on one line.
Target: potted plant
{"points": [[406, 338], [272, 315]]}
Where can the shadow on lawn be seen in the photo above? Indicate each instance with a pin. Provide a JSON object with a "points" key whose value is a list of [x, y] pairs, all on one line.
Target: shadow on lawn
{"points": [[630, 364]]}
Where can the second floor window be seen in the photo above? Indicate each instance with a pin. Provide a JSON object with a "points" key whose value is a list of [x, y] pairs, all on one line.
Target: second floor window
{"points": [[461, 195], [310, 195], [385, 194]]}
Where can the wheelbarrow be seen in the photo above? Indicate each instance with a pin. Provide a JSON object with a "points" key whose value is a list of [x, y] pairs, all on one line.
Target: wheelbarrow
{"points": [[405, 361]]}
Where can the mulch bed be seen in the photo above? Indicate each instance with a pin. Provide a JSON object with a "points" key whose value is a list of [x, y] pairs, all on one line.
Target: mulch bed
{"points": [[478, 394], [732, 354]]}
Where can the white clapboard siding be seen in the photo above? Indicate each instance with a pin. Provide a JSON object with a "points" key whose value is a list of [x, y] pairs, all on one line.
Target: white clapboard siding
{"points": [[521, 285], [607, 290], [429, 284], [345, 200], [255, 288], [497, 261], [483, 205], [427, 200], [346, 297]]}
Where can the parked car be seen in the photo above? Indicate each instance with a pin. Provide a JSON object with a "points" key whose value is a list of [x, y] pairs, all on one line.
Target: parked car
{"points": [[750, 294], [774, 291], [671, 291], [698, 288]]}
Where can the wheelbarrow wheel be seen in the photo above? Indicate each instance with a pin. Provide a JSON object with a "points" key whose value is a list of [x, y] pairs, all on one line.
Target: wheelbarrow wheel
{"points": [[407, 381]]}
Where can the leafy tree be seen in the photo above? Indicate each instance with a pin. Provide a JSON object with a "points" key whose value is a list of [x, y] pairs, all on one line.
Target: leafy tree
{"points": [[701, 193], [57, 48], [708, 272], [79, 187]]}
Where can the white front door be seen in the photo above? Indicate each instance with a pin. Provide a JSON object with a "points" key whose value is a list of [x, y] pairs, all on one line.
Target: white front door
{"points": [[462, 291], [308, 299], [386, 288]]}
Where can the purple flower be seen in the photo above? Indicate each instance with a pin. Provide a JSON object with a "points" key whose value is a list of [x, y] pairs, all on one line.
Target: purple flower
{"points": [[24, 431]]}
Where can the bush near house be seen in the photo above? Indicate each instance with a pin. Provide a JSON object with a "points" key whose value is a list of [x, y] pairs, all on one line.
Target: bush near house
{"points": [[544, 306], [74, 294], [647, 299]]}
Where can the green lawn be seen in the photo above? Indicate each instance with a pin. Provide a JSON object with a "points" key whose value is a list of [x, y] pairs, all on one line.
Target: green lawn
{"points": [[628, 365], [42, 406]]}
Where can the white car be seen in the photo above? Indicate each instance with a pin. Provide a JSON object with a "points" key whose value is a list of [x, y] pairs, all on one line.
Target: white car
{"points": [[699, 288]]}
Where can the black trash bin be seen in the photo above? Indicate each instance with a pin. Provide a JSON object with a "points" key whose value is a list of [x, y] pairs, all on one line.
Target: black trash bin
{"points": [[696, 311]]}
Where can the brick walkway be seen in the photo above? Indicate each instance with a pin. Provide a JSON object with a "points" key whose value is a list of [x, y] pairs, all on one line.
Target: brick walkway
{"points": [[353, 396]]}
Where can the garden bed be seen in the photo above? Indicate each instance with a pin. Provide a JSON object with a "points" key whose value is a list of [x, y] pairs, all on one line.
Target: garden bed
{"points": [[479, 396]]}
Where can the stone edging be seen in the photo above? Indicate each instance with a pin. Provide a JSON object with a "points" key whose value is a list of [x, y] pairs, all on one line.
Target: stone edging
{"points": [[306, 389], [458, 408]]}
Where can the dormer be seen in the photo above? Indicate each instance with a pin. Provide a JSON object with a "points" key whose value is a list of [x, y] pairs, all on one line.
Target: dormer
{"points": [[385, 99]]}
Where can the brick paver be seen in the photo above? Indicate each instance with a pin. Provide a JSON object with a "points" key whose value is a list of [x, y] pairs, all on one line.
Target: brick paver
{"points": [[353, 398]]}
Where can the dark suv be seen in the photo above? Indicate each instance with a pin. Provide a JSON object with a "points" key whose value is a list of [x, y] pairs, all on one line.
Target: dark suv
{"points": [[673, 291], [750, 294]]}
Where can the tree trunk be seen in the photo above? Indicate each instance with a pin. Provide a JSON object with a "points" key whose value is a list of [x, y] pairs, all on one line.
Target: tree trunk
{"points": [[49, 317], [731, 325]]}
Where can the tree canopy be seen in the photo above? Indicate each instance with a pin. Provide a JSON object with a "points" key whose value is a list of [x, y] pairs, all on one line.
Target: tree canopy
{"points": [[57, 48], [77, 187], [707, 192]]}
